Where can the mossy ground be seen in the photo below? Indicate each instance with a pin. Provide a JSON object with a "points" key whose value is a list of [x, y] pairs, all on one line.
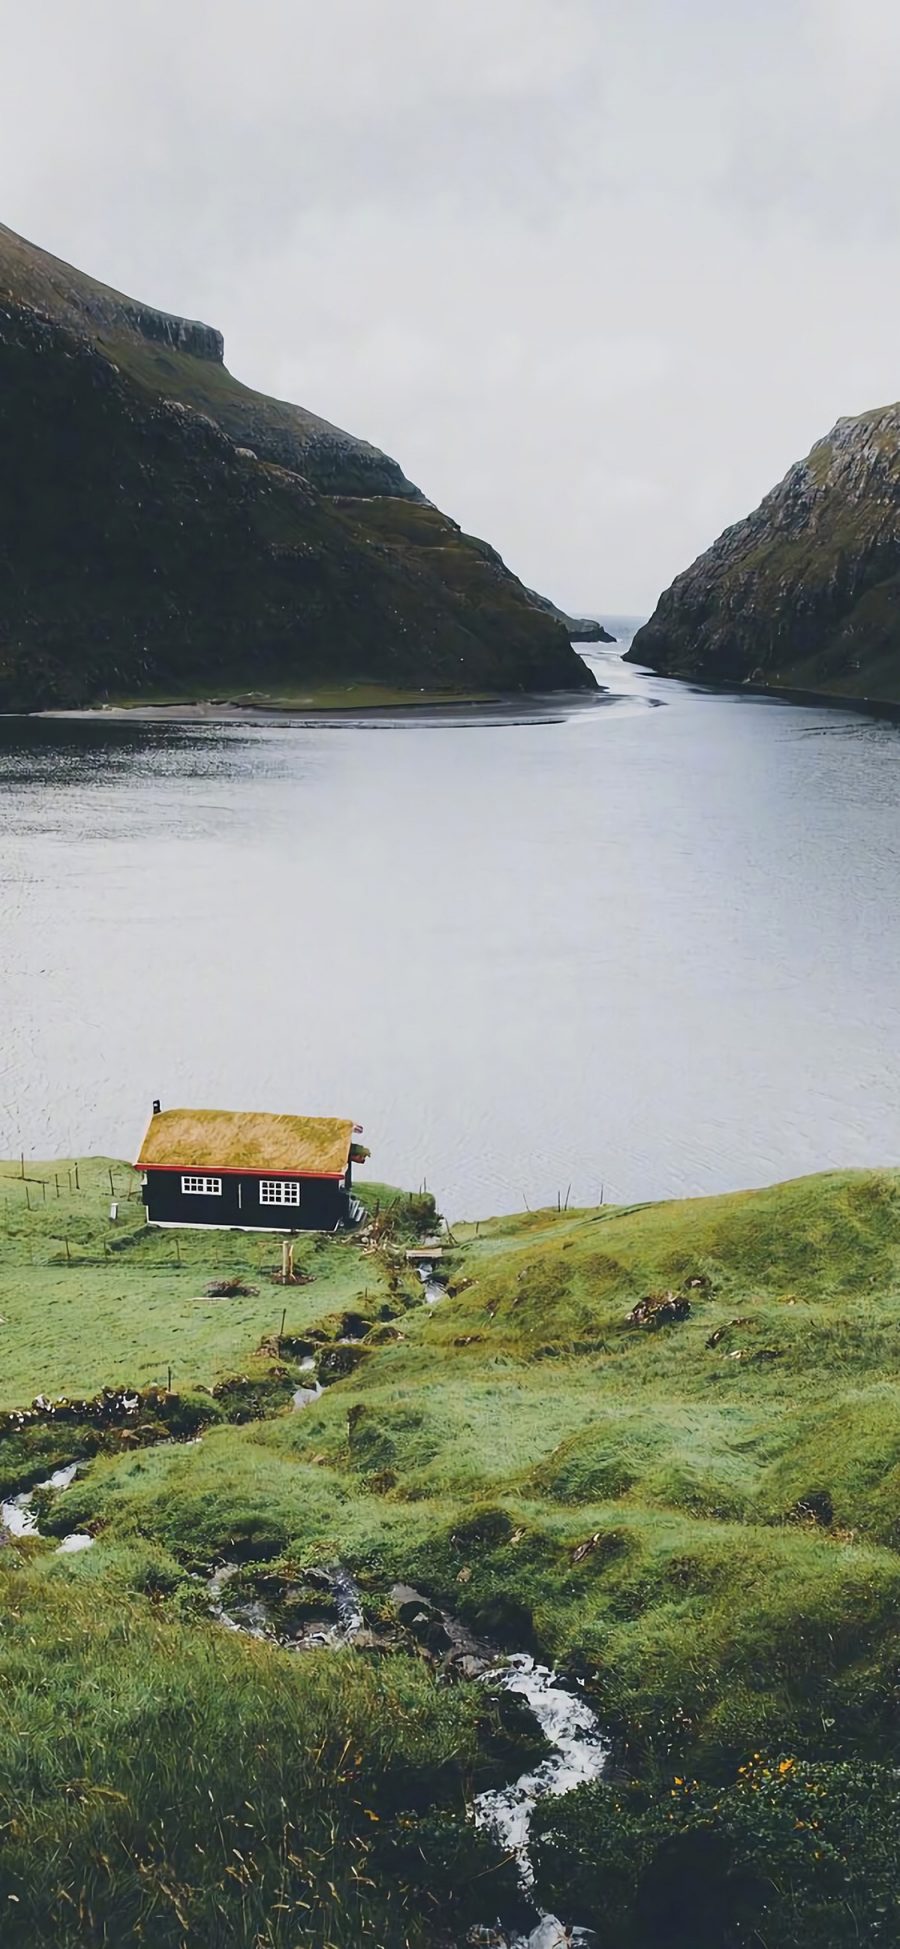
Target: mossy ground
{"points": [[701, 1521]]}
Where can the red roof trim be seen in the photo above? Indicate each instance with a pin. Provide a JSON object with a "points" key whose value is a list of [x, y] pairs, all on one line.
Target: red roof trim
{"points": [[236, 1171]]}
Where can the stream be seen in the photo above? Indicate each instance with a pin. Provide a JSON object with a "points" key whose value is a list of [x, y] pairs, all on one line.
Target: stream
{"points": [[304, 1396], [579, 1754], [434, 1290], [579, 1750], [19, 1518]]}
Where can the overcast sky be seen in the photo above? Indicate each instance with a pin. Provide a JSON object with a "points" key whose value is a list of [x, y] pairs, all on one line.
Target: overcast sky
{"points": [[594, 271]]}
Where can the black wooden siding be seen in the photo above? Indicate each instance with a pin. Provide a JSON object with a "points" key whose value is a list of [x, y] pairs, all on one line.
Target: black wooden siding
{"points": [[324, 1203]]}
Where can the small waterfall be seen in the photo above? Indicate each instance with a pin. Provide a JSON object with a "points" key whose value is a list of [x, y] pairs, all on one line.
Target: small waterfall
{"points": [[579, 1754]]}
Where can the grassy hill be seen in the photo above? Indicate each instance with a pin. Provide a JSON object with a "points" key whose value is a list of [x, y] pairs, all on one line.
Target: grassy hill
{"points": [[166, 532], [698, 1519]]}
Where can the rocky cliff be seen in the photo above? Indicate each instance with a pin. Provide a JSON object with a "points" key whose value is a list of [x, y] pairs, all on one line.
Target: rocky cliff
{"points": [[580, 629], [164, 529], [805, 593]]}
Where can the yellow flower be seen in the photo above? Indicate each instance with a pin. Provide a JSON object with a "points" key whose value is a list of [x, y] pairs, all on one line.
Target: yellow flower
{"points": [[785, 1766]]}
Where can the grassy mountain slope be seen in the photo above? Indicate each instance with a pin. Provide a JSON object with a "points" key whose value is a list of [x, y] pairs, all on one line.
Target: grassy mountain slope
{"points": [[181, 359], [163, 530], [701, 1521], [805, 593]]}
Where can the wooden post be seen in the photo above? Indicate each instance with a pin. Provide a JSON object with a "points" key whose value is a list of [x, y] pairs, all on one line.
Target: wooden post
{"points": [[44, 1189], [22, 1163], [177, 1248], [287, 1262], [112, 1188], [77, 1180], [56, 1175], [68, 1253], [568, 1195], [169, 1381], [281, 1328], [27, 1196]]}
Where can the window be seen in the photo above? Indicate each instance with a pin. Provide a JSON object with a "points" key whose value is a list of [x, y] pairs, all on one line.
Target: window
{"points": [[197, 1187], [279, 1191]]}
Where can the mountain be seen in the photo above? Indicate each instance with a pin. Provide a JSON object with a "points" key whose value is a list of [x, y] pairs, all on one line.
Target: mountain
{"points": [[805, 593], [165, 530], [580, 629]]}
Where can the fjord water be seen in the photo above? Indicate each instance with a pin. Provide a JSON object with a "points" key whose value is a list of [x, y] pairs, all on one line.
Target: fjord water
{"points": [[649, 946]]}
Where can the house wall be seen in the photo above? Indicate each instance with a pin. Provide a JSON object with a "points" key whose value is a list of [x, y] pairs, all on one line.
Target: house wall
{"points": [[323, 1204]]}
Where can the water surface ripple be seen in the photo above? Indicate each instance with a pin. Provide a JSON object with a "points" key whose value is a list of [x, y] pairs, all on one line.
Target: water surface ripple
{"points": [[650, 947]]}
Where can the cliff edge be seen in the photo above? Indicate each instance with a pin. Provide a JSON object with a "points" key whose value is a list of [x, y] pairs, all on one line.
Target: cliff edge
{"points": [[804, 594]]}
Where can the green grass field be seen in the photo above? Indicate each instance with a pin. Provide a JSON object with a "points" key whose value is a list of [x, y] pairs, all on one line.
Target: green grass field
{"points": [[701, 1521], [87, 1303]]}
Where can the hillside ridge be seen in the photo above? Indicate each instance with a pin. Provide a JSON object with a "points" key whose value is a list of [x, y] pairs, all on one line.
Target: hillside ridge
{"points": [[166, 532], [804, 592]]}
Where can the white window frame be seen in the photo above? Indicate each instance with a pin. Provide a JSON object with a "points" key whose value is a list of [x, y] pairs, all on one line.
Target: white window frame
{"points": [[279, 1191], [195, 1185]]}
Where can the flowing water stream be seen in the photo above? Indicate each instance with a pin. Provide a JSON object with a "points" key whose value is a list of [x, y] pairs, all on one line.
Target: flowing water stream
{"points": [[18, 1515], [579, 1754], [578, 1748]]}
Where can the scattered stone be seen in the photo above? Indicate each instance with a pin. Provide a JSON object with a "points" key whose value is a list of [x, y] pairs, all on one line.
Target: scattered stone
{"points": [[659, 1309], [354, 1326], [721, 1331], [337, 1362], [815, 1507], [230, 1289]]}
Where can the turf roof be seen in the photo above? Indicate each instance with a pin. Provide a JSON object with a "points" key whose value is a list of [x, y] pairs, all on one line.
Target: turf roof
{"points": [[246, 1140]]}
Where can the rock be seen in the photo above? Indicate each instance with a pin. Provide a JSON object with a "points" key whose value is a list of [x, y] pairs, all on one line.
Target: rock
{"points": [[816, 1507], [659, 1309], [337, 1362], [803, 593], [721, 1331], [354, 1326]]}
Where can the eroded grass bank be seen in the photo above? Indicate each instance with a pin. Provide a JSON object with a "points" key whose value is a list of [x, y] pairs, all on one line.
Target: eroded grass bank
{"points": [[700, 1521]]}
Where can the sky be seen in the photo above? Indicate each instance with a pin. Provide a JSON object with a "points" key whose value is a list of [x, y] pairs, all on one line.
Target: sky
{"points": [[594, 271]]}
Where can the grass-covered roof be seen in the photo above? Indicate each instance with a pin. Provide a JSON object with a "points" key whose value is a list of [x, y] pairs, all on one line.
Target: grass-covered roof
{"points": [[246, 1140]]}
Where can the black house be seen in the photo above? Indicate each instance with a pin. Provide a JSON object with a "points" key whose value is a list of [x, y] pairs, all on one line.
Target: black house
{"points": [[248, 1170]]}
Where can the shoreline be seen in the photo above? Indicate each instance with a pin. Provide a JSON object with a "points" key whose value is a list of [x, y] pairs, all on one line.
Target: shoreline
{"points": [[535, 707], [834, 700]]}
